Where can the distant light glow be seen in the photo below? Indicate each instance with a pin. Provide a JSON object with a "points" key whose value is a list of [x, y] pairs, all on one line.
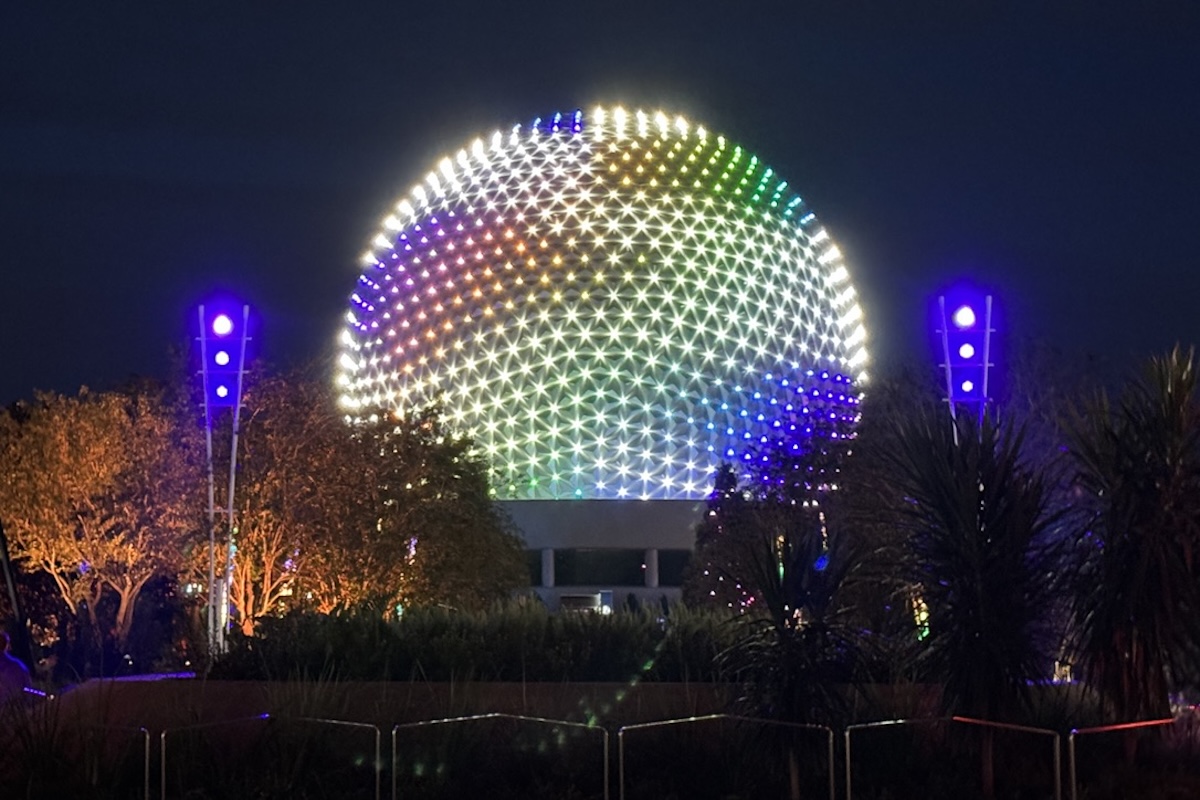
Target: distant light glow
{"points": [[964, 317], [968, 386], [222, 390], [222, 325], [967, 350], [221, 358], [609, 303]]}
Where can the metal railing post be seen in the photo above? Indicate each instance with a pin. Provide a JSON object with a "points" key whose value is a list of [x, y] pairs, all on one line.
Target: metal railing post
{"points": [[1071, 764], [621, 764], [145, 732], [832, 775], [146, 763], [1058, 769], [849, 791], [607, 765]]}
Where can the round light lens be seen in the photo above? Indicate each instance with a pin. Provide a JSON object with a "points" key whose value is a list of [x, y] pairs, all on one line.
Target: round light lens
{"points": [[967, 351], [968, 386], [222, 325], [964, 317], [222, 358], [222, 391]]}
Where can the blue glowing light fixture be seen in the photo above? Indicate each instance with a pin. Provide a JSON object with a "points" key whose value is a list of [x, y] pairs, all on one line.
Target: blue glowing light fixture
{"points": [[224, 333], [224, 336], [964, 330]]}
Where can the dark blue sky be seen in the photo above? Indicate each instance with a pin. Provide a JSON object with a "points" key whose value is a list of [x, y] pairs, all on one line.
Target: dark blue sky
{"points": [[151, 151]]}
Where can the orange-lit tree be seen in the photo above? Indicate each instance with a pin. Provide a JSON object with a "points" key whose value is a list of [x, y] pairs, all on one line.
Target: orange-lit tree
{"points": [[423, 528], [331, 514], [98, 492]]}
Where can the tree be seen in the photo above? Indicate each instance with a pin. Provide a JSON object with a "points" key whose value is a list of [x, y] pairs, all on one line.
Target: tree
{"points": [[979, 533], [295, 492], [97, 492], [714, 573], [1137, 596], [424, 529], [797, 648], [383, 512], [880, 594], [978, 528]]}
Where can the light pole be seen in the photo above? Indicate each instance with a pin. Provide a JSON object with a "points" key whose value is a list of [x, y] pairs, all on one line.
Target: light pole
{"points": [[224, 334], [964, 329]]}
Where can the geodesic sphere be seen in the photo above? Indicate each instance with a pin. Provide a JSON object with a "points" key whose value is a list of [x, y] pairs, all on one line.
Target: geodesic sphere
{"points": [[610, 303]]}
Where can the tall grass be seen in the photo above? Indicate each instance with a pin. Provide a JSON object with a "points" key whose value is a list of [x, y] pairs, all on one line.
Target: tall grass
{"points": [[46, 751]]}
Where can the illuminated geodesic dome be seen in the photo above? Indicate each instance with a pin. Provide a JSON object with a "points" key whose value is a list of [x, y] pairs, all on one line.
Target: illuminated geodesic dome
{"points": [[612, 303]]}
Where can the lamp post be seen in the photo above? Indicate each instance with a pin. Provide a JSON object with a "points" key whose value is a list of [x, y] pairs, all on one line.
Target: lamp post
{"points": [[964, 329], [224, 334]]}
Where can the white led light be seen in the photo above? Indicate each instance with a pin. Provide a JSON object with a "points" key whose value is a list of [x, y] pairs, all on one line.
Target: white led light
{"points": [[610, 302], [964, 317], [222, 325]]}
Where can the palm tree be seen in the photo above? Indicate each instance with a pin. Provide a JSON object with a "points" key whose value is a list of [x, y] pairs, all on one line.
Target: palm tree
{"points": [[978, 537], [797, 649], [1136, 599]]}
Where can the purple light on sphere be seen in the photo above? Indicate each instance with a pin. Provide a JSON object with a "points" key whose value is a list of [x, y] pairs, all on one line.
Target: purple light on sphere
{"points": [[559, 287], [222, 325], [221, 358], [964, 317]]}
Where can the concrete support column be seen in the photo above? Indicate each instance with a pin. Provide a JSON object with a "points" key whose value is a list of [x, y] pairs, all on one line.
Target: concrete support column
{"points": [[548, 567], [651, 562]]}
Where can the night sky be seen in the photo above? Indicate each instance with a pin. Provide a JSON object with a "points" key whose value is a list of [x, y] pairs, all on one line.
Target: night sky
{"points": [[152, 152]]}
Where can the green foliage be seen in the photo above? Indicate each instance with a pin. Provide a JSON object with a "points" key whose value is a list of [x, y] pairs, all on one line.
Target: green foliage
{"points": [[518, 641], [421, 527]]}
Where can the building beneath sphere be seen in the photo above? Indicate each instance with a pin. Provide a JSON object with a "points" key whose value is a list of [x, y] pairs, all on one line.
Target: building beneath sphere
{"points": [[611, 303]]}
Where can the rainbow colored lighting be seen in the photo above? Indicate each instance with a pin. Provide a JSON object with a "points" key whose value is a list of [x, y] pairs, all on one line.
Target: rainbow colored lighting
{"points": [[611, 303]]}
